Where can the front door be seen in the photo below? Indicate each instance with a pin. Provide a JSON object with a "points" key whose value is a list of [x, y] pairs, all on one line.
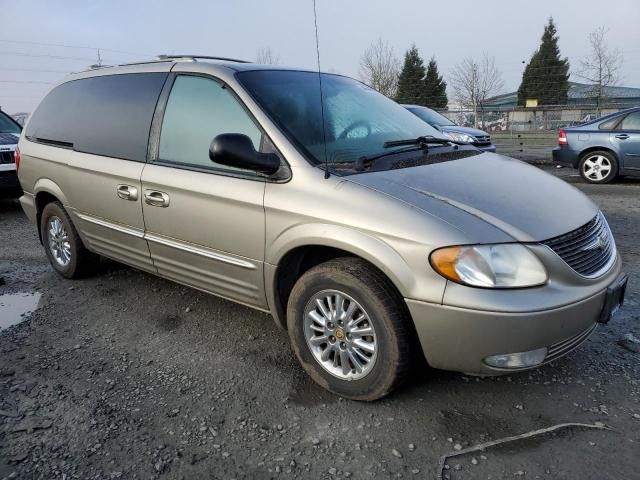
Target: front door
{"points": [[205, 222], [627, 138]]}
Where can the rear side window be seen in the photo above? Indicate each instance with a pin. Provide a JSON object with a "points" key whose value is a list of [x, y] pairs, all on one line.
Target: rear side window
{"points": [[631, 122], [109, 115], [7, 125], [609, 124]]}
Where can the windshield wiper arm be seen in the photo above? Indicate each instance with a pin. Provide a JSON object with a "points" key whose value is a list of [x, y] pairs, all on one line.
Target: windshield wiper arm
{"points": [[423, 141], [363, 162]]}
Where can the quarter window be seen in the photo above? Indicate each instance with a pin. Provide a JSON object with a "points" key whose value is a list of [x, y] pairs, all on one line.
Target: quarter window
{"points": [[198, 110], [631, 122]]}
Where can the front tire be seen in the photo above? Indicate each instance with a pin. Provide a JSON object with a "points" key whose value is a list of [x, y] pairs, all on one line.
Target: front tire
{"points": [[598, 167], [350, 329], [63, 246]]}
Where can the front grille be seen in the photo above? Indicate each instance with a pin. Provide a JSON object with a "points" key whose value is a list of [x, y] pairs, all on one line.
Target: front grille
{"points": [[589, 250], [482, 140], [562, 348], [6, 157]]}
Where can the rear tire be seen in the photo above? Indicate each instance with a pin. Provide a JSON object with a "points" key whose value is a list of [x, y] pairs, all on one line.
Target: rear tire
{"points": [[598, 166], [66, 252], [350, 329]]}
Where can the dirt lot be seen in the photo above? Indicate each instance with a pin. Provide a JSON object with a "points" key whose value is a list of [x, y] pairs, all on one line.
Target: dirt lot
{"points": [[125, 375]]}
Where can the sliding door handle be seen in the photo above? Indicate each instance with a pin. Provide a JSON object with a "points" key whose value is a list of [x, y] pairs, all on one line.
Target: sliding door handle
{"points": [[127, 192]]}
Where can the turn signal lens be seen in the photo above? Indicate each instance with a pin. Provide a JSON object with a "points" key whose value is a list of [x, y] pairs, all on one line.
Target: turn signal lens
{"points": [[508, 265]]}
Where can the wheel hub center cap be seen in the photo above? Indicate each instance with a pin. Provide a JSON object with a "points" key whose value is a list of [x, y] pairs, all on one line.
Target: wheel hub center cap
{"points": [[340, 334]]}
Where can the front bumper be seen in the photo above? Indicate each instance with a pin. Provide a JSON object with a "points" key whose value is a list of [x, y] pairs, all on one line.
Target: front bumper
{"points": [[459, 339], [565, 156], [488, 148]]}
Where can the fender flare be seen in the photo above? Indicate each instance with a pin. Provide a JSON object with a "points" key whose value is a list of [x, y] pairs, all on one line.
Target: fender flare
{"points": [[49, 186], [373, 249]]}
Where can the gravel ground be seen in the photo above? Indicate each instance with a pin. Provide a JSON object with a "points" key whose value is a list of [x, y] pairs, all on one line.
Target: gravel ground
{"points": [[125, 375]]}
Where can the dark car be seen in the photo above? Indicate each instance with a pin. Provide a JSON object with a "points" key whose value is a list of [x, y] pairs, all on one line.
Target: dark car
{"points": [[473, 136], [9, 135], [603, 148]]}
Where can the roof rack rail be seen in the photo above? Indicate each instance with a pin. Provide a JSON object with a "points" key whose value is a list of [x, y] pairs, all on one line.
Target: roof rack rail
{"points": [[161, 58]]}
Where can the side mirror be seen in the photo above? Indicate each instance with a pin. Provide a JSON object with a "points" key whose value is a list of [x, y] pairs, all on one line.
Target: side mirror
{"points": [[236, 150]]}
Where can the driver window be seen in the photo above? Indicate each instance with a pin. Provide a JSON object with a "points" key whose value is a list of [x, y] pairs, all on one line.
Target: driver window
{"points": [[199, 109]]}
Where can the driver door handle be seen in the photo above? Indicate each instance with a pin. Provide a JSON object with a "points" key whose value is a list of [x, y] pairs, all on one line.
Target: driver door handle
{"points": [[156, 198], [622, 136]]}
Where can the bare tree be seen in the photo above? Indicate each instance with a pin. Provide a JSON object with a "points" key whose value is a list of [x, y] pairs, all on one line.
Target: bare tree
{"points": [[267, 56], [474, 81], [379, 68], [601, 67]]}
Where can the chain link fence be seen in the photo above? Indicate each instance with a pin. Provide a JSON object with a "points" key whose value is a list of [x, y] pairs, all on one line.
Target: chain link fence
{"points": [[529, 133]]}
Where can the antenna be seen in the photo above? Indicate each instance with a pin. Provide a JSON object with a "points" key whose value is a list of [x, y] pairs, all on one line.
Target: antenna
{"points": [[324, 134]]}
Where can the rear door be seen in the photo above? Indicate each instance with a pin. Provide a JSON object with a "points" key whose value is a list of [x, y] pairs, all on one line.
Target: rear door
{"points": [[204, 222], [103, 122], [626, 138]]}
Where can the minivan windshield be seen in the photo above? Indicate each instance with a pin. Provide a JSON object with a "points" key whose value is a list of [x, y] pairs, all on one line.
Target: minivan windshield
{"points": [[431, 116], [357, 119], [7, 125]]}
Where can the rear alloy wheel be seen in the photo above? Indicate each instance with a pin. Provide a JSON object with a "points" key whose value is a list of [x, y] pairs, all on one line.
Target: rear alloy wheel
{"points": [[65, 250], [350, 329], [598, 167]]}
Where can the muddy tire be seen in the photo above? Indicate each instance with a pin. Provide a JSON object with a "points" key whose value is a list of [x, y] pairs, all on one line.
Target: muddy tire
{"points": [[350, 329], [62, 244]]}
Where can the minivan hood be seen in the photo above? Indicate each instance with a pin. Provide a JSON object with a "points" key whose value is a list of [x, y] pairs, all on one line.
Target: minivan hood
{"points": [[468, 130], [518, 199]]}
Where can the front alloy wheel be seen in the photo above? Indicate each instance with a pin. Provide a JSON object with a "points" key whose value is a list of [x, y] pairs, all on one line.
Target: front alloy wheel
{"points": [[340, 335], [350, 329]]}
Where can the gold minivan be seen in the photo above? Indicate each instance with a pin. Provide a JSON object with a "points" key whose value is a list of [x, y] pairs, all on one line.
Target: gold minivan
{"points": [[367, 234]]}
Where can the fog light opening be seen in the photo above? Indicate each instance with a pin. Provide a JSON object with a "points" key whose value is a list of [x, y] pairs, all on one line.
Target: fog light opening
{"points": [[517, 360]]}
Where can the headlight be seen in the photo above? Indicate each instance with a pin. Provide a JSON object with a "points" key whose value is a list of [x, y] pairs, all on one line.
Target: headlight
{"points": [[460, 137], [508, 265]]}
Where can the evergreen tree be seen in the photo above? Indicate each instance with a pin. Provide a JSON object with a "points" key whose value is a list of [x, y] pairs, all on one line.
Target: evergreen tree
{"points": [[546, 76], [410, 81], [435, 88]]}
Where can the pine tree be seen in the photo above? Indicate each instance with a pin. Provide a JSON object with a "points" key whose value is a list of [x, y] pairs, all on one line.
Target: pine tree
{"points": [[410, 81], [435, 88], [546, 76]]}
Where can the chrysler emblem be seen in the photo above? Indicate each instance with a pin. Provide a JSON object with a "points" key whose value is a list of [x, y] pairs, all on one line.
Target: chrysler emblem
{"points": [[598, 242]]}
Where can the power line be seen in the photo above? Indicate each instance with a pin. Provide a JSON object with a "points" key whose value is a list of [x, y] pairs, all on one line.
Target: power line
{"points": [[37, 70], [42, 55], [26, 81], [60, 45]]}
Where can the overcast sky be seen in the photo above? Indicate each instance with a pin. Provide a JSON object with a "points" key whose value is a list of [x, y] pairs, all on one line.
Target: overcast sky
{"points": [[131, 30]]}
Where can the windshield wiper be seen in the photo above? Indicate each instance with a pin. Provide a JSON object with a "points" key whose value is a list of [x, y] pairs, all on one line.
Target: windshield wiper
{"points": [[363, 162], [419, 143], [424, 141]]}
